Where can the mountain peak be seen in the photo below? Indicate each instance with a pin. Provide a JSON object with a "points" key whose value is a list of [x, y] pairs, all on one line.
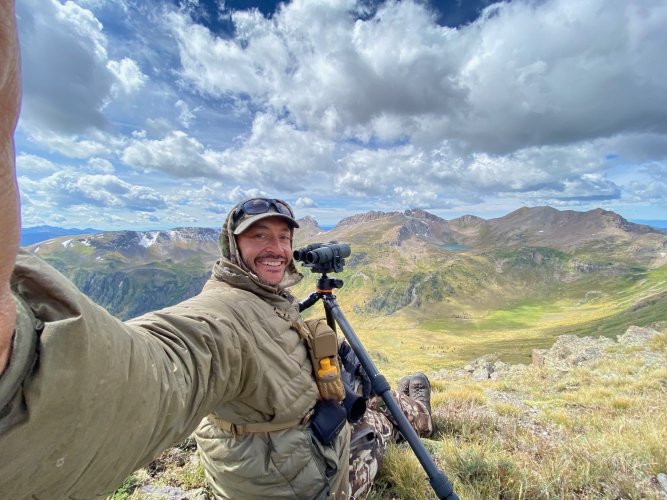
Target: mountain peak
{"points": [[365, 217], [308, 221], [467, 220], [565, 230], [419, 213], [141, 245]]}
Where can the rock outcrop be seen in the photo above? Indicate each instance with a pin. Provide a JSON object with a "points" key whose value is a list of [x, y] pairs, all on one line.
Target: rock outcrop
{"points": [[567, 352]]}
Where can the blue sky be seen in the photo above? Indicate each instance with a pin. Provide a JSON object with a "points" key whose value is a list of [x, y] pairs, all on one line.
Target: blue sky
{"points": [[154, 114]]}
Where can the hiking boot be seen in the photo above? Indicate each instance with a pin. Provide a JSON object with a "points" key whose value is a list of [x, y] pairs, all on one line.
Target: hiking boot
{"points": [[420, 389], [404, 385]]}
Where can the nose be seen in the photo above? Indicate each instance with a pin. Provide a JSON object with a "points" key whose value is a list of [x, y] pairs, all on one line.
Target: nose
{"points": [[273, 243]]}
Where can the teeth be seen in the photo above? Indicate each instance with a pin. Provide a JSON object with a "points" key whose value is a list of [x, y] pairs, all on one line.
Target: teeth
{"points": [[272, 264]]}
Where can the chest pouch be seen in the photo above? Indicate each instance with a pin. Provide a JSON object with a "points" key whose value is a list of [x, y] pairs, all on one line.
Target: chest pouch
{"points": [[322, 345]]}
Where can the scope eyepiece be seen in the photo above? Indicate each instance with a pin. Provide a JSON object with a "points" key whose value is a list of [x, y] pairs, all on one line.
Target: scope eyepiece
{"points": [[300, 253]]}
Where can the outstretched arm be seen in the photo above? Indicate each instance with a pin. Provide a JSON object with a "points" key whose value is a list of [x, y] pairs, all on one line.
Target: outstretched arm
{"points": [[9, 202]]}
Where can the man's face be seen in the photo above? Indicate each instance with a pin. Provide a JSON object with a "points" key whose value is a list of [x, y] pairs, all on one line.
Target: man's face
{"points": [[266, 249]]}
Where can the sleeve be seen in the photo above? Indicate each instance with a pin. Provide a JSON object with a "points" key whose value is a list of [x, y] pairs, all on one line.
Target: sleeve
{"points": [[21, 361], [87, 399]]}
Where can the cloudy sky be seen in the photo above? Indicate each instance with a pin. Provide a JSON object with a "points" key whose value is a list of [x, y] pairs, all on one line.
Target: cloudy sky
{"points": [[157, 113]]}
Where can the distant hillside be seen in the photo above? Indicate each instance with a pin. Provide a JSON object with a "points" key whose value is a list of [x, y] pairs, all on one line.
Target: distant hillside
{"points": [[394, 228], [526, 227], [308, 229], [31, 235], [565, 230], [132, 272]]}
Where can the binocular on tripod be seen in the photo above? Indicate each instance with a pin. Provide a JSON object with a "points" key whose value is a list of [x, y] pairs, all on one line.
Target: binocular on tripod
{"points": [[323, 257], [330, 258]]}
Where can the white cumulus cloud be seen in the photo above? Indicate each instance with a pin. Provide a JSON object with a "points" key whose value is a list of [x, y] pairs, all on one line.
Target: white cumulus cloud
{"points": [[375, 104], [129, 76]]}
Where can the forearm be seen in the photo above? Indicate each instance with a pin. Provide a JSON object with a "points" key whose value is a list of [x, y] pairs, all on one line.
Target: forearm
{"points": [[9, 226], [9, 204]]}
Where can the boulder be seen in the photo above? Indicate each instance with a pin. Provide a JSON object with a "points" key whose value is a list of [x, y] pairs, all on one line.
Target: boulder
{"points": [[637, 336]]}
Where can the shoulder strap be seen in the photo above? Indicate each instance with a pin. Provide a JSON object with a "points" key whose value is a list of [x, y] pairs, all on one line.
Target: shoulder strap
{"points": [[299, 325]]}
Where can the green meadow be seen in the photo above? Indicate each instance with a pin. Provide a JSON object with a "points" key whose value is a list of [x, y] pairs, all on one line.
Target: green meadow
{"points": [[451, 334]]}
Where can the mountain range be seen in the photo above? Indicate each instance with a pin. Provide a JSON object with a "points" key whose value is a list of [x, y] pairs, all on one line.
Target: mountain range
{"points": [[31, 235], [540, 226], [535, 273]]}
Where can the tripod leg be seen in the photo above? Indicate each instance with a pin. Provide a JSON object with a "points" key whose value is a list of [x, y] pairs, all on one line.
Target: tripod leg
{"points": [[437, 478], [330, 318]]}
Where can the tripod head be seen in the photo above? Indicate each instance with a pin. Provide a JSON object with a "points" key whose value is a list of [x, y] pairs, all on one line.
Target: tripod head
{"points": [[323, 258]]}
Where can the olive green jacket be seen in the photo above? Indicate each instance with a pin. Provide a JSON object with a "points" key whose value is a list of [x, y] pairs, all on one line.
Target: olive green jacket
{"points": [[87, 399], [274, 385]]}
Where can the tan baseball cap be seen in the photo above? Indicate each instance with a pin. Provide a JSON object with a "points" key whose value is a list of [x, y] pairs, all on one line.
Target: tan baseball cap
{"points": [[250, 211]]}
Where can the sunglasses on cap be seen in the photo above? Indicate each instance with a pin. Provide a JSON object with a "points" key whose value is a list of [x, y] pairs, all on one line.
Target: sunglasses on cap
{"points": [[258, 206]]}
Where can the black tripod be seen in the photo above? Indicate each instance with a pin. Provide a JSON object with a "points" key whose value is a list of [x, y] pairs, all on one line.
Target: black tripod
{"points": [[334, 315]]}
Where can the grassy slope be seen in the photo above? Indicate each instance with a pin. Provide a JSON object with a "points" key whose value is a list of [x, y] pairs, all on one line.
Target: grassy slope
{"points": [[594, 431], [511, 333]]}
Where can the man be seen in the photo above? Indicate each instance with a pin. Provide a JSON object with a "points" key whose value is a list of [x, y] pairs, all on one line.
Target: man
{"points": [[258, 443], [86, 399]]}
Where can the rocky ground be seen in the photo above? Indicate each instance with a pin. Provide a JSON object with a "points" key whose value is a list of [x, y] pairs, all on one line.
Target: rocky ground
{"points": [[556, 364]]}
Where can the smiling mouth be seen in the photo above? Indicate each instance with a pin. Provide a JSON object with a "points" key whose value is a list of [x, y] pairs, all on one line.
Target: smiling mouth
{"points": [[270, 261]]}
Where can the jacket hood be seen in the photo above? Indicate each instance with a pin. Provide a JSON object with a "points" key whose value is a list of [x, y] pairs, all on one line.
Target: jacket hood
{"points": [[233, 263]]}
